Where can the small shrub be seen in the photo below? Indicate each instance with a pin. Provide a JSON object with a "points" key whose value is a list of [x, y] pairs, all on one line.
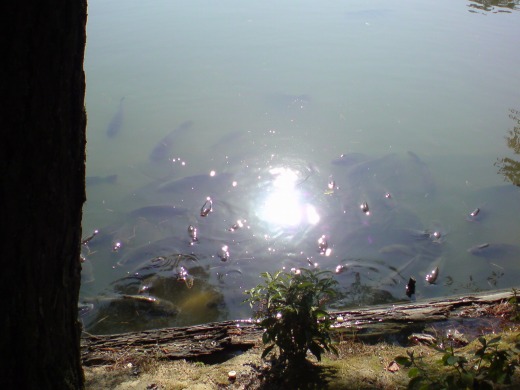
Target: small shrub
{"points": [[488, 366], [290, 306], [515, 311]]}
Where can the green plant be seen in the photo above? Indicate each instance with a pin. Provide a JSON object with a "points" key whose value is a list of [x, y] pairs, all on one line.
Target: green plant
{"points": [[515, 311], [489, 365], [290, 306]]}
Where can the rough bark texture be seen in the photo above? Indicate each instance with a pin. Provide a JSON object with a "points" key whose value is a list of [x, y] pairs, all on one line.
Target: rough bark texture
{"points": [[197, 341], [42, 191]]}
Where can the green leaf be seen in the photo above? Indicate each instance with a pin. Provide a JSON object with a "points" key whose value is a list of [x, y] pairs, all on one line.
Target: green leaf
{"points": [[451, 360], [320, 313], [415, 382], [299, 300], [467, 379], [303, 285], [413, 372]]}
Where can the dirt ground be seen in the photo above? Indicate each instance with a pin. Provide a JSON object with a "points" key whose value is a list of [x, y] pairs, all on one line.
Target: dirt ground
{"points": [[358, 366]]}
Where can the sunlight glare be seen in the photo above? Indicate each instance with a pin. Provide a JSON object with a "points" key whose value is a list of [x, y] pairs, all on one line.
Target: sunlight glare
{"points": [[284, 205]]}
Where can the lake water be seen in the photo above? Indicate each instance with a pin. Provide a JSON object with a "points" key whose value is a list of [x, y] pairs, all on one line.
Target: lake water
{"points": [[289, 118]]}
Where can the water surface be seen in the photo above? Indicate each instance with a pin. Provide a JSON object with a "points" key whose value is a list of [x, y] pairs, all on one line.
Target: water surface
{"points": [[290, 118]]}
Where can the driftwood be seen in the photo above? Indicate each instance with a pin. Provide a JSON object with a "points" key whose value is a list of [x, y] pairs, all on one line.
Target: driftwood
{"points": [[207, 339]]}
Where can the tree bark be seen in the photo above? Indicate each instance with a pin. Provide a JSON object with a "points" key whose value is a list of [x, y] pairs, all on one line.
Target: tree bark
{"points": [[202, 340], [42, 191]]}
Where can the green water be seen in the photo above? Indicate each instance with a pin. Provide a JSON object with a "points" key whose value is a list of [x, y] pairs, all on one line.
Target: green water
{"points": [[294, 86]]}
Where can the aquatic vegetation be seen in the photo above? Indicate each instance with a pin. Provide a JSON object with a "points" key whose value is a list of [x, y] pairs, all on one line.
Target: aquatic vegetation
{"points": [[290, 307]]}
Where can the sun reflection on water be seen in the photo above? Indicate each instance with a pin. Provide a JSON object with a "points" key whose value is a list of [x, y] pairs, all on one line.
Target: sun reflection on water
{"points": [[284, 204]]}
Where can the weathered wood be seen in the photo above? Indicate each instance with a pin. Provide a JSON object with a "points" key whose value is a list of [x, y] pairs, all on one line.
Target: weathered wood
{"points": [[170, 343], [196, 341]]}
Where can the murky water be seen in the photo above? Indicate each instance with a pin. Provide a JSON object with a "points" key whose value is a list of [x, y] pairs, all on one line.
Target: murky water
{"points": [[229, 139]]}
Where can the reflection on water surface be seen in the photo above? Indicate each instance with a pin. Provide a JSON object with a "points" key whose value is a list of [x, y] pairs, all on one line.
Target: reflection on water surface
{"points": [[161, 276], [348, 137]]}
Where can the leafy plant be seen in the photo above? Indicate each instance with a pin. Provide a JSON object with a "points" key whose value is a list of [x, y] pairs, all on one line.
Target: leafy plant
{"points": [[489, 365], [515, 311], [290, 306]]}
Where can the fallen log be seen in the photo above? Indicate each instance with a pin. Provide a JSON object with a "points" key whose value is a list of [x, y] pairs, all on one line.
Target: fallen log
{"points": [[202, 340]]}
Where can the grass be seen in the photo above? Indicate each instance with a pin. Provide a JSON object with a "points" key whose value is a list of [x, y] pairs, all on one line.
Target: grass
{"points": [[358, 365]]}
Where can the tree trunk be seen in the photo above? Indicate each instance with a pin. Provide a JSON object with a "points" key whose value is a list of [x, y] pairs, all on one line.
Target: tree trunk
{"points": [[42, 191]]}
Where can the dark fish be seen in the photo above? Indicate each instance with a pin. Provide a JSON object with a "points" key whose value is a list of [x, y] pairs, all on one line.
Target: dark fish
{"points": [[349, 159], [237, 225], [397, 250], [96, 180], [323, 246], [182, 275], [85, 241], [410, 287], [434, 236], [475, 212], [331, 185], [400, 176], [224, 253], [200, 183], [193, 233], [137, 304], [474, 215], [207, 207], [494, 251], [84, 308], [116, 246], [432, 276], [230, 138], [147, 252], [161, 151], [158, 212], [117, 121], [426, 174]]}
